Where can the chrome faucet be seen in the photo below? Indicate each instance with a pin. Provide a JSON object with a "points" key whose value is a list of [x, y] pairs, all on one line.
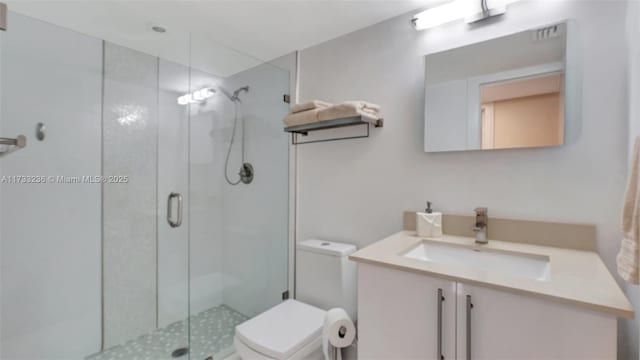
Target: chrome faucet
{"points": [[482, 221]]}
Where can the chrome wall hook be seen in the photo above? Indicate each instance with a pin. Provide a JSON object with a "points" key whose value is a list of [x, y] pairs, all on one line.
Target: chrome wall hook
{"points": [[19, 142], [40, 131]]}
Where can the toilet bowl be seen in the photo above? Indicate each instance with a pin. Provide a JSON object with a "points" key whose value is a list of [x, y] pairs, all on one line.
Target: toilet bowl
{"points": [[292, 330]]}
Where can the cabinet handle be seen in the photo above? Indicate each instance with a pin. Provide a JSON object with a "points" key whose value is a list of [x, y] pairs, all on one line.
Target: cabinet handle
{"points": [[439, 332], [178, 221], [469, 307]]}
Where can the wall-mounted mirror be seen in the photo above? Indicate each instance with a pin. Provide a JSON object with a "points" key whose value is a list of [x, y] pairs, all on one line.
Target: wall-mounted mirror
{"points": [[503, 93]]}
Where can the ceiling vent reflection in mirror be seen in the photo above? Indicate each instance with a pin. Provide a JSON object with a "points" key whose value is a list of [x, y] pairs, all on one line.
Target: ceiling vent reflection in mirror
{"points": [[548, 32]]}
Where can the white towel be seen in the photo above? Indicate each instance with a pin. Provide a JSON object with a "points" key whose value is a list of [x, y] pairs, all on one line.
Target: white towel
{"points": [[350, 109], [627, 259], [301, 118], [315, 104], [367, 106]]}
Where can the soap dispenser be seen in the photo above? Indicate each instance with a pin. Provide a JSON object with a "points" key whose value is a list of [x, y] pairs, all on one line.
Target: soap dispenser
{"points": [[429, 223]]}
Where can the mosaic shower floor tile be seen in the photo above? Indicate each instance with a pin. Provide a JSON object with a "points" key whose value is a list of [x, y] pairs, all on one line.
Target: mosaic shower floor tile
{"points": [[211, 335]]}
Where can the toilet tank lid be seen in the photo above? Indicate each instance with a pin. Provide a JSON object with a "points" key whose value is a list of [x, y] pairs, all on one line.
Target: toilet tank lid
{"points": [[327, 247]]}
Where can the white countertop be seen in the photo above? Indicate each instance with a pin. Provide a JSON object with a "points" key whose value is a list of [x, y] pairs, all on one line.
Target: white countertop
{"points": [[576, 277]]}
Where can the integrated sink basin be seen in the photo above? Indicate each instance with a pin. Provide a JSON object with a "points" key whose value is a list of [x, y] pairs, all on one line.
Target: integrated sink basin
{"points": [[512, 264]]}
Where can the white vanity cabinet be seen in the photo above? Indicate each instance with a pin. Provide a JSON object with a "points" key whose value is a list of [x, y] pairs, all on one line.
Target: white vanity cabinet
{"points": [[400, 317], [504, 325]]}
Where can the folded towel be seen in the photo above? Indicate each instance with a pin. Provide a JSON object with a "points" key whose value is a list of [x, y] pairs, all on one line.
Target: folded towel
{"points": [[627, 259], [301, 118], [364, 105], [349, 109], [315, 104]]}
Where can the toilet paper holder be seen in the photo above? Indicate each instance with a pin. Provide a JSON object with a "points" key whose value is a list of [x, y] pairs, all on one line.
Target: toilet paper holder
{"points": [[342, 331]]}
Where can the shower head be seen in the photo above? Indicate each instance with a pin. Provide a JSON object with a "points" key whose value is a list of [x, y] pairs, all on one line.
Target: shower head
{"points": [[235, 97], [237, 92], [201, 96]]}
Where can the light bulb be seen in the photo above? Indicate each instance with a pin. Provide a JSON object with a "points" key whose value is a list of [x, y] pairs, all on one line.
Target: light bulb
{"points": [[207, 93], [199, 95], [183, 100]]}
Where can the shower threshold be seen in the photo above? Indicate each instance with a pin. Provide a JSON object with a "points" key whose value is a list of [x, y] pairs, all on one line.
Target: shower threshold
{"points": [[212, 334]]}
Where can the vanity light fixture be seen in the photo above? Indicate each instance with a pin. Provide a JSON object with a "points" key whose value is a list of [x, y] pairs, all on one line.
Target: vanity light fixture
{"points": [[439, 15], [486, 12], [196, 96], [458, 9]]}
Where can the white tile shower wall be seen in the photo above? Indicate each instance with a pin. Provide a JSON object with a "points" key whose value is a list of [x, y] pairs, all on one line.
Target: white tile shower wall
{"points": [[256, 216], [129, 210], [356, 190], [50, 233]]}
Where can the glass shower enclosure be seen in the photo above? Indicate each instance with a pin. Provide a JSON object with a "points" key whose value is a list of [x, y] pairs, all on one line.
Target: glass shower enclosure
{"points": [[131, 225]]}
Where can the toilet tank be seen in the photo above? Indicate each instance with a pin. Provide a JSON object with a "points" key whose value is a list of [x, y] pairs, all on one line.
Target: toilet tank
{"points": [[325, 277]]}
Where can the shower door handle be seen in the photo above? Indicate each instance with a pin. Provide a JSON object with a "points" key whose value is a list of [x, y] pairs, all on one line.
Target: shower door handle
{"points": [[178, 221]]}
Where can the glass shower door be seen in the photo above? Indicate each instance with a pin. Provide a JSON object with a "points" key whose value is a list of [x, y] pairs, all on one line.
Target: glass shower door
{"points": [[50, 216], [173, 195], [126, 228], [93, 263], [146, 237], [239, 212]]}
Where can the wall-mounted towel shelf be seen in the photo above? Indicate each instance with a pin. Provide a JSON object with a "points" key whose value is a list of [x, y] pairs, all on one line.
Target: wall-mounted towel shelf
{"points": [[305, 129]]}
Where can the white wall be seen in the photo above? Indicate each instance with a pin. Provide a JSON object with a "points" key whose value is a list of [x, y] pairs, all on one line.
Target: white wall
{"points": [[633, 40], [356, 190], [50, 248]]}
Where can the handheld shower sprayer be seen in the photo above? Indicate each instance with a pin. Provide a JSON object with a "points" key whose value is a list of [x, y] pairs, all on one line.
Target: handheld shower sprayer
{"points": [[236, 94], [246, 169]]}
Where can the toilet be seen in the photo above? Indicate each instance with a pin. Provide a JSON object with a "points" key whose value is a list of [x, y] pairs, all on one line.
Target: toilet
{"points": [[292, 330]]}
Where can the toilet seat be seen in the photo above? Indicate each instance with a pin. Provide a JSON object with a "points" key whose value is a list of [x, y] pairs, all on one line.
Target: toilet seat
{"points": [[283, 332]]}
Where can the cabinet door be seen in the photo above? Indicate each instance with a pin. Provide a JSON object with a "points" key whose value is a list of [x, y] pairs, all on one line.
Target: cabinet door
{"points": [[502, 325], [398, 315]]}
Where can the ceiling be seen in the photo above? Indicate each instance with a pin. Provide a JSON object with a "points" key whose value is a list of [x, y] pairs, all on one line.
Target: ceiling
{"points": [[218, 36]]}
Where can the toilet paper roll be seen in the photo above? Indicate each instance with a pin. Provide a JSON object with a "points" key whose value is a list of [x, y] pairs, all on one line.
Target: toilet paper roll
{"points": [[338, 331]]}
